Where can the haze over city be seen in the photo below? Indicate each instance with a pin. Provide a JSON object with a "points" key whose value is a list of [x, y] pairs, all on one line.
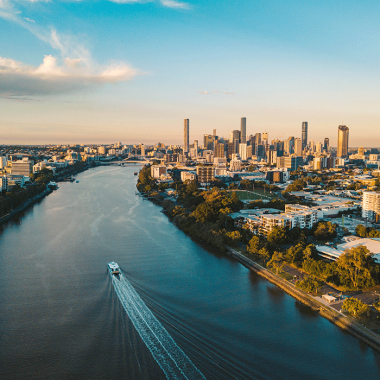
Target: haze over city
{"points": [[104, 71]]}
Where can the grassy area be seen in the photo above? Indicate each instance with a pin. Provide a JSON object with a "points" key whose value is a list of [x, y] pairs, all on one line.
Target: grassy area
{"points": [[254, 195]]}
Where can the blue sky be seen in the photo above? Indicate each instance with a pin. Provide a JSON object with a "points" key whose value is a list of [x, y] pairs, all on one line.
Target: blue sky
{"points": [[131, 71]]}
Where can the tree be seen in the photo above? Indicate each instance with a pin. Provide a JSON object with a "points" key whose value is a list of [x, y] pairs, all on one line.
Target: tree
{"points": [[254, 245], [309, 284], [264, 254], [361, 230], [276, 262], [325, 231], [297, 185], [277, 236], [359, 266], [355, 307]]}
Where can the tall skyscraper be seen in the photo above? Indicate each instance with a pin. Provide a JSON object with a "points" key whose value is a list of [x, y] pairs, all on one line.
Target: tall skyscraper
{"points": [[298, 147], [214, 132], [243, 130], [304, 134], [326, 144], [342, 141], [186, 136], [235, 135], [208, 142]]}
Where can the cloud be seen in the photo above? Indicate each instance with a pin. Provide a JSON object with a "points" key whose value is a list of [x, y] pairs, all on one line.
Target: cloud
{"points": [[175, 4], [54, 77], [204, 92]]}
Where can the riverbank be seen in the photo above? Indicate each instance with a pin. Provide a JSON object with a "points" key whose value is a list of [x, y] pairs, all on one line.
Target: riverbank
{"points": [[339, 319], [24, 206]]}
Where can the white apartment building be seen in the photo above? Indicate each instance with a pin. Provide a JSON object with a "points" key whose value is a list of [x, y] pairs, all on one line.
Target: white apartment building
{"points": [[294, 216], [156, 171], [371, 205]]}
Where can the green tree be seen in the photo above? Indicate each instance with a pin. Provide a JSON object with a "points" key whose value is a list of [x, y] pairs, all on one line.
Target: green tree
{"points": [[359, 266], [264, 254], [276, 262], [297, 185], [325, 231], [254, 245], [309, 284], [361, 230], [355, 307], [277, 236]]}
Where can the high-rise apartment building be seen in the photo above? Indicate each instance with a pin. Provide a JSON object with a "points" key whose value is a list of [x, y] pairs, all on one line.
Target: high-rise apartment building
{"points": [[342, 141], [186, 136], [304, 134], [371, 205], [205, 174], [243, 130]]}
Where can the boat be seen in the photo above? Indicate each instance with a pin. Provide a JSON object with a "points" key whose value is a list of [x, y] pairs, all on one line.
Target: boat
{"points": [[52, 185], [135, 173], [77, 181], [113, 268]]}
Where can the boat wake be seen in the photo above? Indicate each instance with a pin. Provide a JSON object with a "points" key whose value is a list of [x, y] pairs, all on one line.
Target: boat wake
{"points": [[171, 359]]}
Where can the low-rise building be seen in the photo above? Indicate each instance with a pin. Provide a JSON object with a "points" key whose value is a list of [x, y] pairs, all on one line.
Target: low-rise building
{"points": [[188, 176]]}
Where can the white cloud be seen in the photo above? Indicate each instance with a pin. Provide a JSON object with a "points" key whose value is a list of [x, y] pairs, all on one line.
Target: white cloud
{"points": [[52, 77], [175, 4]]}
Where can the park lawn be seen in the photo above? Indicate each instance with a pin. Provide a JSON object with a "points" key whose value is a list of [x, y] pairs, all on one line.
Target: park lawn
{"points": [[254, 195], [265, 193]]}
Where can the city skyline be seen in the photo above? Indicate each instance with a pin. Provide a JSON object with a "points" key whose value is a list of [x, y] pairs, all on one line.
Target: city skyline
{"points": [[124, 70]]}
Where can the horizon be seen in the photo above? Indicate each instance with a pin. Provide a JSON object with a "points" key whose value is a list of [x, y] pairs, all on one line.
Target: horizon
{"points": [[128, 69]]}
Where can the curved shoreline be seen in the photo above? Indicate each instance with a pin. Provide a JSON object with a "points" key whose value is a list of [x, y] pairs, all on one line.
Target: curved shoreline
{"points": [[339, 319], [325, 311]]}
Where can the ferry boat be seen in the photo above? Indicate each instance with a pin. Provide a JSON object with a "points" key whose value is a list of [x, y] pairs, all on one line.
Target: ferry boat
{"points": [[113, 268]]}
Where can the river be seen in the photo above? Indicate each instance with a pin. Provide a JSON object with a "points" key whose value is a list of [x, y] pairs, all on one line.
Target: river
{"points": [[60, 317]]}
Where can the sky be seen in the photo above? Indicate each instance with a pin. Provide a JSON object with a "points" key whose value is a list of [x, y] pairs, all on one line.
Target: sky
{"points": [[75, 71]]}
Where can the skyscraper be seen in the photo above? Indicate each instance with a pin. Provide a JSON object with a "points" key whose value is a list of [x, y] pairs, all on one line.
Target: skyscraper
{"points": [[298, 147], [235, 135], [304, 134], [342, 141], [243, 130], [326, 144], [186, 136], [208, 142]]}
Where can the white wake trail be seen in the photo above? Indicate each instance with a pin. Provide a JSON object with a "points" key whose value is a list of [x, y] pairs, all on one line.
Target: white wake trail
{"points": [[171, 359]]}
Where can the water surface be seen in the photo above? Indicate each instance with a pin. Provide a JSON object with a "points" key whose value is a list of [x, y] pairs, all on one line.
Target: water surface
{"points": [[60, 317]]}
